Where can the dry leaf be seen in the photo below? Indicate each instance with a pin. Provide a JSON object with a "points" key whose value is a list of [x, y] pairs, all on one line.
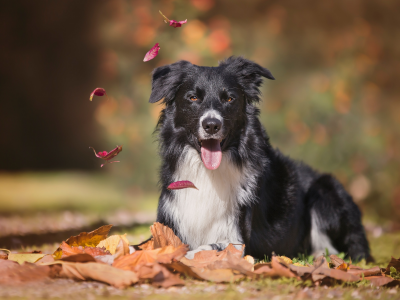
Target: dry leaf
{"points": [[67, 250], [122, 248], [343, 267], [158, 275], [45, 259], [285, 260], [25, 257], [13, 273], [81, 258], [395, 263], [89, 239], [383, 281], [162, 236], [96, 271], [112, 242], [162, 255], [336, 261], [322, 272], [367, 272]]}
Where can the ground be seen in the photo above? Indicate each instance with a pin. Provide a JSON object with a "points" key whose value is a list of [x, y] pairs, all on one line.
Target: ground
{"points": [[46, 220]]}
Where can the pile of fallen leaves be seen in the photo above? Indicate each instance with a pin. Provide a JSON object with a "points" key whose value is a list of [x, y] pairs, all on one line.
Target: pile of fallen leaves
{"points": [[161, 261]]}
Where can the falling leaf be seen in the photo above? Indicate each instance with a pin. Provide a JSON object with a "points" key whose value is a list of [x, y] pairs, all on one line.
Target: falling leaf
{"points": [[25, 257], [173, 23], [107, 156], [152, 53], [178, 185], [97, 92], [162, 236], [112, 242], [85, 239]]}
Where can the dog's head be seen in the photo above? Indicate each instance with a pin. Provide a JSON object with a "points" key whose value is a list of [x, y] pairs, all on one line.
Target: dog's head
{"points": [[209, 103]]}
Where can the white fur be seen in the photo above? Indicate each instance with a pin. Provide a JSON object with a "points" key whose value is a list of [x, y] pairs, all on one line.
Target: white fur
{"points": [[210, 114], [210, 214], [319, 239]]}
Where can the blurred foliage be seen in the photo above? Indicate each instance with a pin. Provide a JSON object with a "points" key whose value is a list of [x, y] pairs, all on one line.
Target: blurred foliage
{"points": [[335, 103]]}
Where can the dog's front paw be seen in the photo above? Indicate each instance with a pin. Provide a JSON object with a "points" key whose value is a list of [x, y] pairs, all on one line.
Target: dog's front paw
{"points": [[216, 246]]}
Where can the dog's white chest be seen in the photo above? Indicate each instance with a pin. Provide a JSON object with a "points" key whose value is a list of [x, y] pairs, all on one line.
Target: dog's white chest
{"points": [[210, 214]]}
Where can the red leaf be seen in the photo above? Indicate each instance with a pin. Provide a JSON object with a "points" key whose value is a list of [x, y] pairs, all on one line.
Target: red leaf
{"points": [[184, 184], [107, 156], [97, 92], [152, 53], [173, 23]]}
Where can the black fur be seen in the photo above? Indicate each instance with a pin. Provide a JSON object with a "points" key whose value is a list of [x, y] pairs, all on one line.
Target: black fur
{"points": [[279, 219]]}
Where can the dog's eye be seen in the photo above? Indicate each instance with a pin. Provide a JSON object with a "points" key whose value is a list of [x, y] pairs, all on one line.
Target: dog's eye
{"points": [[194, 98], [230, 99]]}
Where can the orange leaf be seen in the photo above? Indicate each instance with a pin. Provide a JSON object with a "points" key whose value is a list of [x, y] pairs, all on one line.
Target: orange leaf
{"points": [[162, 236], [67, 250], [90, 239], [142, 257]]}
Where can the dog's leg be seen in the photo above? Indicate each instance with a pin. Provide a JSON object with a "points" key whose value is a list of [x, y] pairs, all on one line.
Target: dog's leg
{"points": [[217, 246], [335, 220]]}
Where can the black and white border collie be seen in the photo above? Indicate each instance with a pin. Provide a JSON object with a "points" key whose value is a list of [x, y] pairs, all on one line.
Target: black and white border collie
{"points": [[248, 192]]}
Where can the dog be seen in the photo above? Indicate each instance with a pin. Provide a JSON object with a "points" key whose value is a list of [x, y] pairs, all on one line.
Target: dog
{"points": [[248, 192]]}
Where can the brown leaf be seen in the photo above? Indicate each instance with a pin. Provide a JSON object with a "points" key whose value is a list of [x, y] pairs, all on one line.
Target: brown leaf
{"points": [[12, 273], [111, 243], [301, 271], [45, 259], [89, 239], [232, 262], [336, 261], [142, 257], [158, 275], [395, 263], [280, 269], [219, 275], [322, 272], [177, 266], [383, 281], [122, 249], [367, 272], [95, 271], [67, 250], [81, 258], [162, 236]]}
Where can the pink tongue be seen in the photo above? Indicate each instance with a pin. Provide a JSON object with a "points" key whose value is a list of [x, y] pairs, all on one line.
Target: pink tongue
{"points": [[211, 153]]}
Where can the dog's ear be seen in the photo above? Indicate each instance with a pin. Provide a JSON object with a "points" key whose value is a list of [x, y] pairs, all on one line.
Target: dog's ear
{"points": [[249, 75], [166, 81]]}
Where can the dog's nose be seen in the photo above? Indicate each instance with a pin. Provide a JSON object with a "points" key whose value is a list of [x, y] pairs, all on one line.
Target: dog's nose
{"points": [[211, 125]]}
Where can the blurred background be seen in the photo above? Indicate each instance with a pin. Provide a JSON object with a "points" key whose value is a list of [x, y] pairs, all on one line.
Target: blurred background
{"points": [[335, 103]]}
